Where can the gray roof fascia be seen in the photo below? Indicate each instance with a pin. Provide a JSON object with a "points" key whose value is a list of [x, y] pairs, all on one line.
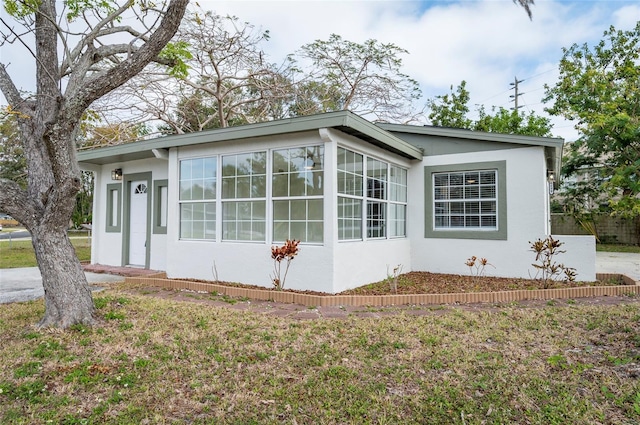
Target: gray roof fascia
{"points": [[342, 120], [378, 136], [552, 145], [459, 133]]}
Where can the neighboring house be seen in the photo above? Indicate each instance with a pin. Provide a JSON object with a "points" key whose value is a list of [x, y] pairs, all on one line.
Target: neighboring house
{"points": [[363, 198]]}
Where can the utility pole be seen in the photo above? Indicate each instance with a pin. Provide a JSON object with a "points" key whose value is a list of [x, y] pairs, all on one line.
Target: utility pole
{"points": [[514, 86]]}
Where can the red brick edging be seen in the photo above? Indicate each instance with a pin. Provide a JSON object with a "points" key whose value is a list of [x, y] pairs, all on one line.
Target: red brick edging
{"points": [[160, 280]]}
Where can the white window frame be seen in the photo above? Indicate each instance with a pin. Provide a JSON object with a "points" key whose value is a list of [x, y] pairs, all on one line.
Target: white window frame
{"points": [[310, 165], [256, 219], [497, 233], [466, 200], [208, 203], [390, 196]]}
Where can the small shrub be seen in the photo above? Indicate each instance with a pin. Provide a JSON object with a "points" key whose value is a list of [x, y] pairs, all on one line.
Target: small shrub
{"points": [[286, 252], [477, 266], [392, 278], [547, 270]]}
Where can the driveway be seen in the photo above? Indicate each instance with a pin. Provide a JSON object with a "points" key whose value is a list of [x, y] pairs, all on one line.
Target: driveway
{"points": [[619, 262], [25, 284]]}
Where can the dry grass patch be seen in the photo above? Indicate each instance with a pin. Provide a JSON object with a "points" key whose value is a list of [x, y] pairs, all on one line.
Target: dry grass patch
{"points": [[160, 361]]}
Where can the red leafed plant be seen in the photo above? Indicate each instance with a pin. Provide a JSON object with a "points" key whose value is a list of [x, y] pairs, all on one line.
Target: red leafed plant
{"points": [[286, 252]]}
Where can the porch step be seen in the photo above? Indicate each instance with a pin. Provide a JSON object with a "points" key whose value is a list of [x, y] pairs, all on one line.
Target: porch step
{"points": [[120, 271]]}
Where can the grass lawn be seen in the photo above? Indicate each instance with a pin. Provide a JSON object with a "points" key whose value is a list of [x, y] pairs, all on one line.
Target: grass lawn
{"points": [[618, 248], [19, 253], [162, 361]]}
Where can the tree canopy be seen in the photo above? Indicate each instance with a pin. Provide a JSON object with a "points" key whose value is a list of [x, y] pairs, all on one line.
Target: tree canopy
{"points": [[452, 110], [599, 88]]}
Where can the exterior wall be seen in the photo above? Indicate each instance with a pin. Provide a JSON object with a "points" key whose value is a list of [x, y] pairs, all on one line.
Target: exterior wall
{"points": [[580, 254], [527, 212], [330, 267], [358, 263], [244, 262], [335, 266], [107, 247]]}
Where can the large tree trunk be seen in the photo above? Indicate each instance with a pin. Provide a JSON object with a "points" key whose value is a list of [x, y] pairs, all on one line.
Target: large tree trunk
{"points": [[67, 295], [48, 124]]}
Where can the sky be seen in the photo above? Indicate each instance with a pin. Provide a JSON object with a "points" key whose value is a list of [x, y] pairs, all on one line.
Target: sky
{"points": [[487, 43]]}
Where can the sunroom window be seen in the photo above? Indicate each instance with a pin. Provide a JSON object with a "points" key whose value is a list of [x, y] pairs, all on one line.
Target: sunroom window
{"points": [[244, 182], [197, 198], [297, 194], [373, 192]]}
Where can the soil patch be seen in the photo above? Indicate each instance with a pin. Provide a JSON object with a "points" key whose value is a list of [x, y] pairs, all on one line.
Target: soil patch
{"points": [[439, 283]]}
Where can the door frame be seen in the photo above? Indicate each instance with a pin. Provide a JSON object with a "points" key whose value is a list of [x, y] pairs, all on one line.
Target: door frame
{"points": [[126, 211]]}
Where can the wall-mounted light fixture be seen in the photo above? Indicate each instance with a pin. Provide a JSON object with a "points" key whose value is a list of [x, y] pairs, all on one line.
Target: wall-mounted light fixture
{"points": [[551, 180], [116, 174]]}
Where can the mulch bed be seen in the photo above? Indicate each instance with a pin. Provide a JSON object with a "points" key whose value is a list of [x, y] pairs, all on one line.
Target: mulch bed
{"points": [[438, 283]]}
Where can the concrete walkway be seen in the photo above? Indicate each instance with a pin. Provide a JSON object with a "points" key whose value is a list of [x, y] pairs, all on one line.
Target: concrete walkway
{"points": [[619, 262], [25, 284]]}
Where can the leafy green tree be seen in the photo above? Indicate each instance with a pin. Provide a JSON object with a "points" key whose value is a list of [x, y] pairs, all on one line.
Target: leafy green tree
{"points": [[452, 109], [364, 78], [507, 121], [80, 53], [599, 87]]}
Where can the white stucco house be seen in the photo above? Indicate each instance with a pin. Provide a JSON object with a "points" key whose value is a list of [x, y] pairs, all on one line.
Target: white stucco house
{"points": [[361, 197]]}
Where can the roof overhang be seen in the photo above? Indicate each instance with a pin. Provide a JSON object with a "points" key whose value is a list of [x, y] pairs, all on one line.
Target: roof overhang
{"points": [[552, 146], [344, 121]]}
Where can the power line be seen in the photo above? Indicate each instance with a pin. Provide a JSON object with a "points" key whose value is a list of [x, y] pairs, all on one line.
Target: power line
{"points": [[524, 79]]}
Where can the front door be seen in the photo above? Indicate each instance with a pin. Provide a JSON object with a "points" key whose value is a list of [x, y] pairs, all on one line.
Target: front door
{"points": [[138, 223]]}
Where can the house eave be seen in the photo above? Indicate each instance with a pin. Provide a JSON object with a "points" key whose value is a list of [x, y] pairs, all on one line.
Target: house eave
{"points": [[552, 145], [344, 121]]}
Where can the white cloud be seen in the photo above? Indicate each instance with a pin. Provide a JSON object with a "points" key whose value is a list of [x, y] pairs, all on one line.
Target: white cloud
{"points": [[485, 42]]}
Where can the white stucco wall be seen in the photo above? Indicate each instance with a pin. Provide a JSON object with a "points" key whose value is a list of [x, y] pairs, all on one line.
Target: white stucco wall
{"points": [[359, 263], [107, 246], [580, 254], [527, 218], [335, 266], [329, 267]]}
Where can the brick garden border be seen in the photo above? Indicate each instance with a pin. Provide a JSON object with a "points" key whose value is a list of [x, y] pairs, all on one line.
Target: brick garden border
{"points": [[160, 280]]}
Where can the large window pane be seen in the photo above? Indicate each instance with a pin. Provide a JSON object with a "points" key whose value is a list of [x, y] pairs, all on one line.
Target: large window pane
{"points": [[376, 219], [349, 218], [298, 172], [300, 219], [197, 220], [198, 179], [243, 221], [244, 176], [397, 220], [350, 177], [465, 200], [297, 189]]}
